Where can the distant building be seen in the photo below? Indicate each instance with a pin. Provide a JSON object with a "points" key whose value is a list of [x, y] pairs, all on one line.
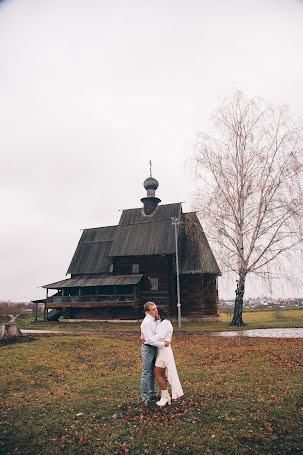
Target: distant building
{"points": [[116, 269]]}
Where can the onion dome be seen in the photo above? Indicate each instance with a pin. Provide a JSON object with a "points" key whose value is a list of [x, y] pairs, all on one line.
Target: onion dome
{"points": [[150, 202], [151, 184]]}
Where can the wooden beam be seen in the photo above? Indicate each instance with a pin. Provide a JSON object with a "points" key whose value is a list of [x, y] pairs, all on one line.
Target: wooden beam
{"points": [[92, 305], [44, 313]]}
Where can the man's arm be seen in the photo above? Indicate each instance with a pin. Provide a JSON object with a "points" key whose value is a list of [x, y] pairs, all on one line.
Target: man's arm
{"points": [[146, 330], [166, 343]]}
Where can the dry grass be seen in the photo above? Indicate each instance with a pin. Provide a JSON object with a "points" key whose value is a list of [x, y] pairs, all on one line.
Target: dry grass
{"points": [[76, 395]]}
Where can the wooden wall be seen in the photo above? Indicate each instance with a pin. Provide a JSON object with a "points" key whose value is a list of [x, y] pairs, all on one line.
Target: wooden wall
{"points": [[198, 292], [211, 302], [198, 295], [104, 313], [192, 301], [152, 267]]}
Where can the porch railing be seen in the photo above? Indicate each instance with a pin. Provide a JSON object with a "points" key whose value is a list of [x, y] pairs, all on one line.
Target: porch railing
{"points": [[91, 299]]}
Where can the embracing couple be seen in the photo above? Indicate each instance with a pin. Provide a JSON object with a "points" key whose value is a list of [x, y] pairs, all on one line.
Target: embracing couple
{"points": [[157, 357]]}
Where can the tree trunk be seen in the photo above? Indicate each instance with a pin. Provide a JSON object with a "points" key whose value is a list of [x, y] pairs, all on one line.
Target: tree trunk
{"points": [[237, 319]]}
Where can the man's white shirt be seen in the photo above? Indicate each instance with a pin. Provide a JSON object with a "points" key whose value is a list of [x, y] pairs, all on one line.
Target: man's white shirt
{"points": [[148, 329]]}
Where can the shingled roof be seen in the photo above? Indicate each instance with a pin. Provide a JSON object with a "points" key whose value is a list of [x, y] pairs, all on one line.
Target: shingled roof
{"points": [[195, 253], [92, 252], [113, 280], [142, 235]]}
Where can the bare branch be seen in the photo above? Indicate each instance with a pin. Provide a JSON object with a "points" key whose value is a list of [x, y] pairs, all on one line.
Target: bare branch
{"points": [[251, 174]]}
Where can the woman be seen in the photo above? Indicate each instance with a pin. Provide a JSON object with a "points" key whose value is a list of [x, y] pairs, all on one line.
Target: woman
{"points": [[165, 368]]}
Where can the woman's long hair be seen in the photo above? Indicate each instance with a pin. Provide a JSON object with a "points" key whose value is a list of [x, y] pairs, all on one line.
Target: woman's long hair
{"points": [[163, 314]]}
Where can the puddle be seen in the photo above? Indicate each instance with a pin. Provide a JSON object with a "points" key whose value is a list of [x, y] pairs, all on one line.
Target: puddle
{"points": [[267, 333]]}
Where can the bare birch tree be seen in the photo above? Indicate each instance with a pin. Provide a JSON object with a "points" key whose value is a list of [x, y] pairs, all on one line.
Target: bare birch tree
{"points": [[251, 199]]}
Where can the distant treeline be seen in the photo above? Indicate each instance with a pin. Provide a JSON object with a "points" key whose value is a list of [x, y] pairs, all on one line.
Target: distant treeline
{"points": [[6, 307]]}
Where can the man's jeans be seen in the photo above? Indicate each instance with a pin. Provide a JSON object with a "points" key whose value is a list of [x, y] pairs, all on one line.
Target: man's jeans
{"points": [[149, 355]]}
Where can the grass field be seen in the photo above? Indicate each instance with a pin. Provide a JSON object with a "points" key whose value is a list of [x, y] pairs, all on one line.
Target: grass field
{"points": [[71, 395], [253, 319]]}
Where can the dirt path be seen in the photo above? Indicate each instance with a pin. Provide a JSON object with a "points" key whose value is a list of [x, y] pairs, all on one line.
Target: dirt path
{"points": [[267, 333]]}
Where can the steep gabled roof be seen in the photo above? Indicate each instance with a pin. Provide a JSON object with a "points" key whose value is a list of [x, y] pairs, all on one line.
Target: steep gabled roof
{"points": [[92, 252], [142, 235], [196, 255]]}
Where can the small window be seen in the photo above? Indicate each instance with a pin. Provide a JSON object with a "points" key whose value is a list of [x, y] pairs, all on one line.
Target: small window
{"points": [[135, 268], [154, 284]]}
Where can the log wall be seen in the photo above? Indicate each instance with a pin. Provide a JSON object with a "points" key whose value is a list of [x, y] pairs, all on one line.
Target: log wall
{"points": [[104, 313], [198, 292], [151, 267], [211, 302], [198, 295]]}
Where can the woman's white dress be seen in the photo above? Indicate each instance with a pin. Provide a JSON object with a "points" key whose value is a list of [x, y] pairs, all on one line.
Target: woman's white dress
{"points": [[165, 357]]}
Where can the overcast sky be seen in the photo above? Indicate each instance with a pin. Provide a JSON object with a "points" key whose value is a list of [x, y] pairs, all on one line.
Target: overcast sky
{"points": [[92, 90]]}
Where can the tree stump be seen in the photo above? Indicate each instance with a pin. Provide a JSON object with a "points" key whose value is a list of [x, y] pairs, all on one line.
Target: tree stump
{"points": [[8, 331]]}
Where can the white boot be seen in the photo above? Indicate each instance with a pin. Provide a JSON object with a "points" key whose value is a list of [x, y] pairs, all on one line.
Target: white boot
{"points": [[165, 398]]}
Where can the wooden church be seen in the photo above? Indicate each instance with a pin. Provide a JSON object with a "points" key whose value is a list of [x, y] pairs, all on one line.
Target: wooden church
{"points": [[116, 269]]}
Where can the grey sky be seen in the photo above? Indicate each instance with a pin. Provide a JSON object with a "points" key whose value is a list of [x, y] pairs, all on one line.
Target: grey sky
{"points": [[90, 91]]}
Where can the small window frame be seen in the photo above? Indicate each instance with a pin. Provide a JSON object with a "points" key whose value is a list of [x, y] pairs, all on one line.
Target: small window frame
{"points": [[135, 268], [154, 282]]}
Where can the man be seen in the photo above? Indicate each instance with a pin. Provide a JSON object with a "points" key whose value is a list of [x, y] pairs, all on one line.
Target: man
{"points": [[149, 353]]}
